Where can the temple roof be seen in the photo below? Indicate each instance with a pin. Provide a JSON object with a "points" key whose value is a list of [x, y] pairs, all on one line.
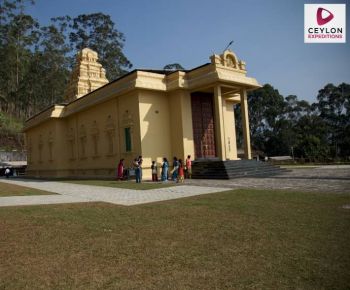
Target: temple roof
{"points": [[224, 69]]}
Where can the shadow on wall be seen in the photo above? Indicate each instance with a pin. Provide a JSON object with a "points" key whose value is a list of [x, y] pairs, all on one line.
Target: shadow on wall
{"points": [[155, 129], [161, 127]]}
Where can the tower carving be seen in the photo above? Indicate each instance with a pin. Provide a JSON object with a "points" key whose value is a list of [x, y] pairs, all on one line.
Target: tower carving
{"points": [[87, 75]]}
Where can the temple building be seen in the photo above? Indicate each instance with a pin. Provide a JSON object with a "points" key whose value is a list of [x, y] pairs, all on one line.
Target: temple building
{"points": [[153, 113]]}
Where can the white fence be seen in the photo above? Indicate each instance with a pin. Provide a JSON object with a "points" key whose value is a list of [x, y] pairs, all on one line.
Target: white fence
{"points": [[6, 156]]}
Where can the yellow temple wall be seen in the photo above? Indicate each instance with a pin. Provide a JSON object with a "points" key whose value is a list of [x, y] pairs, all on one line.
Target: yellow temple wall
{"points": [[166, 127], [39, 140], [155, 128], [90, 130], [89, 127], [128, 117], [181, 124]]}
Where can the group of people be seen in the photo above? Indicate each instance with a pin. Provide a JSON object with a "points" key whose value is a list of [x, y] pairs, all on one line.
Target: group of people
{"points": [[179, 170], [122, 173]]}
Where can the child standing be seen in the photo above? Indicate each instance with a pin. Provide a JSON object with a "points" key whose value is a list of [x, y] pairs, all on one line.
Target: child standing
{"points": [[188, 167], [154, 171], [181, 172]]}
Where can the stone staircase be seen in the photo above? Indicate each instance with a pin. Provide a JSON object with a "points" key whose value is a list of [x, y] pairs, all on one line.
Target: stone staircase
{"points": [[215, 169]]}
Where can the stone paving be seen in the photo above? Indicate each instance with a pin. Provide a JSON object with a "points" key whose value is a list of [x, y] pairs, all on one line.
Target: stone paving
{"points": [[329, 179], [72, 193], [39, 200]]}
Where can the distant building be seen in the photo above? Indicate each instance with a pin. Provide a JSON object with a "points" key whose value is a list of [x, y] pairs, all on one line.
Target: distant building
{"points": [[153, 113]]}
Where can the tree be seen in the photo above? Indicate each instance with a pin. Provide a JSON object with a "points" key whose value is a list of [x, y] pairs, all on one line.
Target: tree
{"points": [[55, 62], [173, 66], [334, 107], [35, 61], [48, 71], [97, 31], [18, 33], [266, 107], [312, 142]]}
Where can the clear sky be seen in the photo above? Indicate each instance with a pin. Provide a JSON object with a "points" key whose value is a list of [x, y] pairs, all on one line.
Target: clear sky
{"points": [[267, 34]]}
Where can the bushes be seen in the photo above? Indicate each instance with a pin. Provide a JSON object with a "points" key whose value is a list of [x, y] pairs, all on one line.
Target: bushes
{"points": [[10, 133]]}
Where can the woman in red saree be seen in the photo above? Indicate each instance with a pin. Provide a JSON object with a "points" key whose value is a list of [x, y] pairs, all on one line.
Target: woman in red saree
{"points": [[121, 169]]}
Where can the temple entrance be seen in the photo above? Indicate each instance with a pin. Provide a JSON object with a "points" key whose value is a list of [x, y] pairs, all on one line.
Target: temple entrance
{"points": [[203, 125]]}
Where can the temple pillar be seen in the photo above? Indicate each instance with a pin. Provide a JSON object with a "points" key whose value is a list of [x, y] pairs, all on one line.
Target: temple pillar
{"points": [[245, 125], [230, 130], [219, 123]]}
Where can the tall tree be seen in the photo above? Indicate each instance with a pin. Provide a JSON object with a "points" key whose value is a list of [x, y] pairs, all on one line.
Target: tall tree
{"points": [[97, 31], [48, 71], [35, 61], [266, 107], [312, 142], [334, 107], [19, 32]]}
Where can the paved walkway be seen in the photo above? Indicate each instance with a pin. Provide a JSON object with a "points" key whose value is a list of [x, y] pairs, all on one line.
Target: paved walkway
{"points": [[330, 179], [327, 179], [72, 193]]}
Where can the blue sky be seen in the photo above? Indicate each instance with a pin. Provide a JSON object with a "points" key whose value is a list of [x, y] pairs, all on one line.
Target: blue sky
{"points": [[267, 34]]}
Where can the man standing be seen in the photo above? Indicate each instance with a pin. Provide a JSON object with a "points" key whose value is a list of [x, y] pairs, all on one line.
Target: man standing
{"points": [[7, 172]]}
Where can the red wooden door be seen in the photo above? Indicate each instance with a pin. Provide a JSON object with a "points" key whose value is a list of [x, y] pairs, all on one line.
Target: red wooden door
{"points": [[203, 125]]}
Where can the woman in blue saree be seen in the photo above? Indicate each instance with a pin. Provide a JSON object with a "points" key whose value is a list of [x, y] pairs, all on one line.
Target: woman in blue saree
{"points": [[165, 167]]}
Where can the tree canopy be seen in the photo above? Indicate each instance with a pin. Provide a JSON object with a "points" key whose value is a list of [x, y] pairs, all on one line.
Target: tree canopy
{"points": [[36, 60], [288, 126], [173, 66]]}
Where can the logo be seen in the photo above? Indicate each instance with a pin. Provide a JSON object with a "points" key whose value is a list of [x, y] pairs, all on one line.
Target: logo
{"points": [[320, 19], [324, 23]]}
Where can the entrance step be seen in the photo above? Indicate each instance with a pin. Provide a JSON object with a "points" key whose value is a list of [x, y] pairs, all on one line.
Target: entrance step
{"points": [[215, 169]]}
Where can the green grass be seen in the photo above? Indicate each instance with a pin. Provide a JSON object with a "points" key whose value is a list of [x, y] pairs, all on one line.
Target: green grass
{"points": [[123, 184], [7, 189], [10, 124], [244, 239]]}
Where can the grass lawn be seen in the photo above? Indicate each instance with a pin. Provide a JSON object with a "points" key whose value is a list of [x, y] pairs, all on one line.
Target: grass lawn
{"points": [[244, 239], [123, 184], [12, 190]]}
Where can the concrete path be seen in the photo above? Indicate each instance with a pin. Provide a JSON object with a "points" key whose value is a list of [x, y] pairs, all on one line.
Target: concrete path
{"points": [[72, 193]]}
